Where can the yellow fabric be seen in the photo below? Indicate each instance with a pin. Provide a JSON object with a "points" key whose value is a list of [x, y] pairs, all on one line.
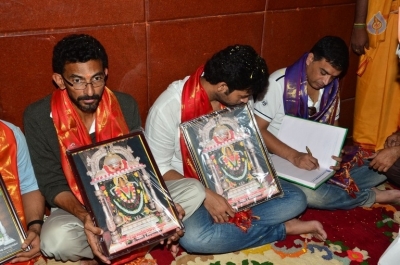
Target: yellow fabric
{"points": [[377, 104]]}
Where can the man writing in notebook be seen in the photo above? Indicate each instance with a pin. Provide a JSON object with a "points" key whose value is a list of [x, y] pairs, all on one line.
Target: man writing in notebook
{"points": [[228, 78], [309, 89]]}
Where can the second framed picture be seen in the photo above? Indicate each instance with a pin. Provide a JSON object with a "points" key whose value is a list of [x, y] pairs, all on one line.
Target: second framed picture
{"points": [[230, 156]]}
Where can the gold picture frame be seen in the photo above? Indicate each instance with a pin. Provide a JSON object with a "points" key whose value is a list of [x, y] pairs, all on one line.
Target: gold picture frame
{"points": [[230, 156], [124, 193]]}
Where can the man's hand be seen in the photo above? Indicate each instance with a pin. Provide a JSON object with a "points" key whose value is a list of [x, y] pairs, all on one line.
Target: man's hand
{"points": [[359, 40], [92, 232], [172, 240], [304, 161], [218, 207], [31, 240], [393, 140], [385, 158], [338, 160]]}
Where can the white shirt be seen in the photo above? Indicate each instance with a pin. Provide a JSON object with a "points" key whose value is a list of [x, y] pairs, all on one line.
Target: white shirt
{"points": [[162, 128]]}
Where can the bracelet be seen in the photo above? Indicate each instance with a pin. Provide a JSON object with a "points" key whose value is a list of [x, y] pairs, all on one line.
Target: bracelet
{"points": [[35, 222], [359, 25]]}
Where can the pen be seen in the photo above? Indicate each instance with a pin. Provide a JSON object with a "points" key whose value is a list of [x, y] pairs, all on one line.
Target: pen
{"points": [[308, 151]]}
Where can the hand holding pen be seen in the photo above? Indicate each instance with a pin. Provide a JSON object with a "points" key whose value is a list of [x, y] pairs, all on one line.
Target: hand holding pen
{"points": [[314, 160]]}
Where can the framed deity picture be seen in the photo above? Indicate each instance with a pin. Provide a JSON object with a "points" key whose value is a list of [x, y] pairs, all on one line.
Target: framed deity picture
{"points": [[230, 156], [124, 193], [12, 234]]}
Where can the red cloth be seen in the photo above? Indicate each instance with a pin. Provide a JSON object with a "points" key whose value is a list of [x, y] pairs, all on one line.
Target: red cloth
{"points": [[195, 103], [9, 173]]}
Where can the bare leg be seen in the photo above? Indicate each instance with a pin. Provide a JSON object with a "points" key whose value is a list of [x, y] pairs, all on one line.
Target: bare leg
{"points": [[297, 227], [387, 196]]}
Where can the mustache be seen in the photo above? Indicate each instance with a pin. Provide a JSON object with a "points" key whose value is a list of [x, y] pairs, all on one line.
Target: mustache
{"points": [[86, 97]]}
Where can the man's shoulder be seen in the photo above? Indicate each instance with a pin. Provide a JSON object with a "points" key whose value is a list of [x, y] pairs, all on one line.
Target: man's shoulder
{"points": [[15, 129], [39, 107], [278, 75], [122, 95], [172, 94]]}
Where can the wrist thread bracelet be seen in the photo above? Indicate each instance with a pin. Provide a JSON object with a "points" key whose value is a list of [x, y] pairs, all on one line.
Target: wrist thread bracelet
{"points": [[359, 25], [35, 222]]}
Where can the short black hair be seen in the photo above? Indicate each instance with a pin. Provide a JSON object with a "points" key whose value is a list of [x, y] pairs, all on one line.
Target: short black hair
{"points": [[334, 50], [240, 67], [77, 48]]}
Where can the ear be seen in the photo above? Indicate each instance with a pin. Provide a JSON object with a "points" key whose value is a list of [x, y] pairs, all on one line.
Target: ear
{"points": [[105, 71], [57, 78], [310, 58], [222, 87]]}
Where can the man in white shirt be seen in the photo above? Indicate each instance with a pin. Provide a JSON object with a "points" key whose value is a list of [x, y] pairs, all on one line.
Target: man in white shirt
{"points": [[309, 89]]}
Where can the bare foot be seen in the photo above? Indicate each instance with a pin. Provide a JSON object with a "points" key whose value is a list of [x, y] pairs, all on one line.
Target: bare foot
{"points": [[297, 227], [88, 262], [387, 196]]}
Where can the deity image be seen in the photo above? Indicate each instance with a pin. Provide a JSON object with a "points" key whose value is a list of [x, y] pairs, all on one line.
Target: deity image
{"points": [[227, 153], [234, 164], [4, 238], [126, 203]]}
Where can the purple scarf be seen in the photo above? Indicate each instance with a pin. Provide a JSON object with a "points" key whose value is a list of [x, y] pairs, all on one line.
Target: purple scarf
{"points": [[295, 96]]}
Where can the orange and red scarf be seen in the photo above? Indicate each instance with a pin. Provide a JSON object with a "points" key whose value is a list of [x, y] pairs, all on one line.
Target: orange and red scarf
{"points": [[9, 168], [9, 173], [195, 103]]}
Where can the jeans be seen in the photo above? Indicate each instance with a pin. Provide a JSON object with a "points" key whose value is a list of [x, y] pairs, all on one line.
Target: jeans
{"points": [[331, 197], [202, 235]]}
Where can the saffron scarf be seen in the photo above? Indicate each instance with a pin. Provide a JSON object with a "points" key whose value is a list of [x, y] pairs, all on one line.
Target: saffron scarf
{"points": [[295, 97], [195, 103], [72, 133], [9, 173], [9, 168]]}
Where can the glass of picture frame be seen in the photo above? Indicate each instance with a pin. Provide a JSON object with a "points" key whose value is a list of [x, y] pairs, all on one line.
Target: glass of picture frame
{"points": [[124, 193], [230, 156], [12, 234]]}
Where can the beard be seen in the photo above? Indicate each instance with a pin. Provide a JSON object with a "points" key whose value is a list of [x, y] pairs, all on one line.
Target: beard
{"points": [[87, 108]]}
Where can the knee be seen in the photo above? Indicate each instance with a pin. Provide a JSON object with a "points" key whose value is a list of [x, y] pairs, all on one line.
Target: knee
{"points": [[192, 196], [50, 237], [190, 242], [294, 193], [61, 241], [195, 187]]}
